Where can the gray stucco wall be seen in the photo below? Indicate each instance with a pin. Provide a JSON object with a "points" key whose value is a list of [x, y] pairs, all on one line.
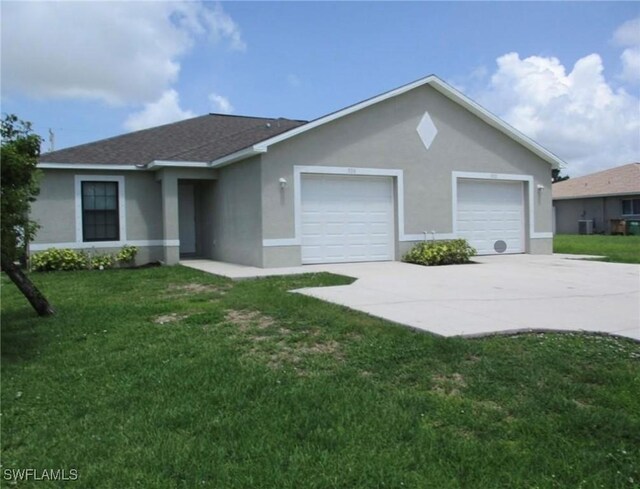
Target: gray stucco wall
{"points": [[54, 208], [237, 216], [384, 136], [598, 209]]}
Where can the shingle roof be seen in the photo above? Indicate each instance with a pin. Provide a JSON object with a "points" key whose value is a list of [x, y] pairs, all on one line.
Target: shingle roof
{"points": [[622, 180], [203, 138]]}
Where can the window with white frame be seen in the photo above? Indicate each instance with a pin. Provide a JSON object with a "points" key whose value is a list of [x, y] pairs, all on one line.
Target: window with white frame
{"points": [[630, 207], [100, 219], [100, 212]]}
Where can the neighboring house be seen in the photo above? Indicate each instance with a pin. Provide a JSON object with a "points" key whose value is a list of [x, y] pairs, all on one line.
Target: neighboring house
{"points": [[599, 198], [361, 184]]}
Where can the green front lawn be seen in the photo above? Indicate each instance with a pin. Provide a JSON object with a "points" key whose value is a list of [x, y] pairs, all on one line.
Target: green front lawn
{"points": [[169, 377], [622, 249]]}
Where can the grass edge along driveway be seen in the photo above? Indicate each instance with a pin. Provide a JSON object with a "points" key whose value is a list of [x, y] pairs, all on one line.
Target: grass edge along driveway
{"points": [[619, 249], [170, 377]]}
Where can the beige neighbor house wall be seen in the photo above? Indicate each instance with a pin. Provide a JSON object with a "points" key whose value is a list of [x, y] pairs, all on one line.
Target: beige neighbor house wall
{"points": [[384, 136], [600, 210]]}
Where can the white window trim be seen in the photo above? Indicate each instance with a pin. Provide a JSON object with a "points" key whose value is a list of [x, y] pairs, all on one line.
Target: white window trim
{"points": [[87, 166], [122, 214], [528, 179], [632, 213]]}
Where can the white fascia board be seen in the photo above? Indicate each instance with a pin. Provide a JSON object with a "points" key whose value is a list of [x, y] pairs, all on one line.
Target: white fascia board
{"points": [[87, 166], [438, 85], [237, 156], [432, 80], [341, 113], [494, 121], [597, 196], [445, 89], [157, 164]]}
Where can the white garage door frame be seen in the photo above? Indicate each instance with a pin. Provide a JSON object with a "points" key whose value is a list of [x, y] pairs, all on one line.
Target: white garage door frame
{"points": [[300, 170], [347, 218], [477, 198], [528, 183], [398, 177]]}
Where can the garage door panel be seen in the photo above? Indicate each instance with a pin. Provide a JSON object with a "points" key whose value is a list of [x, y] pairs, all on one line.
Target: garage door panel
{"points": [[346, 218], [489, 212]]}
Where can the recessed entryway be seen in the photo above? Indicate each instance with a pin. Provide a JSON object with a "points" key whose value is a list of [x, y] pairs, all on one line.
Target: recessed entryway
{"points": [[346, 218], [187, 218]]}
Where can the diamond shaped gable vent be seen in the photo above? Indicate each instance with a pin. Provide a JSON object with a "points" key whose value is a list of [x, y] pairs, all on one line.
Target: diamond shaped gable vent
{"points": [[426, 130]]}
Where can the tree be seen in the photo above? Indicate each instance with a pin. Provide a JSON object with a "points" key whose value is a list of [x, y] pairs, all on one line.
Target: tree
{"points": [[19, 151], [556, 177]]}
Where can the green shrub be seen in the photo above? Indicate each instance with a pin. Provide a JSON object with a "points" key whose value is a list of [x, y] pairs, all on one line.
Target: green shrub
{"points": [[126, 254], [440, 253], [55, 259], [59, 259], [102, 262]]}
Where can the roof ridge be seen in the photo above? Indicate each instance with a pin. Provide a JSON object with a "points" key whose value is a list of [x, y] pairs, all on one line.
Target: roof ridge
{"points": [[229, 136], [110, 138], [153, 128], [219, 114], [597, 173]]}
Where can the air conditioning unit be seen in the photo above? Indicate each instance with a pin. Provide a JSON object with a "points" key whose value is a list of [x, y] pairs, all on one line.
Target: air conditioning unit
{"points": [[585, 227]]}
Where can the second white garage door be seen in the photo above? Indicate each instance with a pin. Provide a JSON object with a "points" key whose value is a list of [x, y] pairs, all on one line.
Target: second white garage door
{"points": [[491, 215], [346, 219]]}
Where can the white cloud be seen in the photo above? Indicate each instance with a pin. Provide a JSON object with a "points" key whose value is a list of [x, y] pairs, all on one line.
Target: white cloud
{"points": [[293, 80], [628, 34], [163, 111], [630, 58], [117, 52], [574, 112], [221, 104], [221, 26]]}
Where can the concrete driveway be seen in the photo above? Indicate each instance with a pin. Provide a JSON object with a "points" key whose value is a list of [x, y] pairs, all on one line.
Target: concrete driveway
{"points": [[498, 294]]}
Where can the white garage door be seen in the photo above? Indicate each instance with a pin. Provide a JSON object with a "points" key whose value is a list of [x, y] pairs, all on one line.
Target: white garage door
{"points": [[491, 215], [346, 219]]}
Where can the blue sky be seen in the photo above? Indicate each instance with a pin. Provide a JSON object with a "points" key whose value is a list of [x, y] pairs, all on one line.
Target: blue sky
{"points": [[565, 73]]}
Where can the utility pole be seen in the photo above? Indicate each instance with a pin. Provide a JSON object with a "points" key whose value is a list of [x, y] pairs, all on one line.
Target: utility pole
{"points": [[52, 140]]}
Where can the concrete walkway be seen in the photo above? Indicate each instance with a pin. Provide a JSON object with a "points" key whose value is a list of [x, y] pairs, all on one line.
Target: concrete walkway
{"points": [[498, 294]]}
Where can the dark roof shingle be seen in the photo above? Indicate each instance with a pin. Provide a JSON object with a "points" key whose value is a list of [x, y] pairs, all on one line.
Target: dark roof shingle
{"points": [[204, 138]]}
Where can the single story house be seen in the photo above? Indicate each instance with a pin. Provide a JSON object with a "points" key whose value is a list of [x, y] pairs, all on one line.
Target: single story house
{"points": [[597, 199], [364, 183]]}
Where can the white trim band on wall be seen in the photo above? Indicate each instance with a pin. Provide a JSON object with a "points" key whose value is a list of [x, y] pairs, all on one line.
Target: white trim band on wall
{"points": [[104, 244]]}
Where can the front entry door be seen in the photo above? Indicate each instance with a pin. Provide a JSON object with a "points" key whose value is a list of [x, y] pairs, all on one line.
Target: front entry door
{"points": [[187, 218]]}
